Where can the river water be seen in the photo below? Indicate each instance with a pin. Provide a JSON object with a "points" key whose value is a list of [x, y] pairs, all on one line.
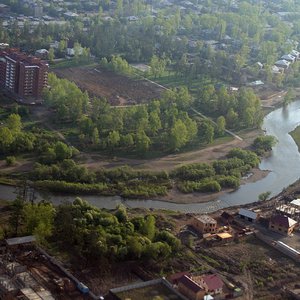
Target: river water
{"points": [[283, 164]]}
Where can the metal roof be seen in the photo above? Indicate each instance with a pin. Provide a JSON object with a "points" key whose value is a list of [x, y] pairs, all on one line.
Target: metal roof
{"points": [[247, 213], [296, 202], [20, 240]]}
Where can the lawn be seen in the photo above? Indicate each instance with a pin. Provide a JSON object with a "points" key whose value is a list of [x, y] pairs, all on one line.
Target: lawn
{"points": [[296, 136]]}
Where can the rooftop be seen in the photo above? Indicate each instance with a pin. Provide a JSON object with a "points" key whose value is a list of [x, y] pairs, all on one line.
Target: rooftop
{"points": [[206, 219], [20, 240], [190, 284], [213, 281], [283, 221]]}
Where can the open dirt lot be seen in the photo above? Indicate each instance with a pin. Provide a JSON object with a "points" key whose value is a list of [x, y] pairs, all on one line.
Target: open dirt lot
{"points": [[117, 89]]}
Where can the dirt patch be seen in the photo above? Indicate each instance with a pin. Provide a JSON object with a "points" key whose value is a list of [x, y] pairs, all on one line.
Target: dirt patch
{"points": [[117, 89]]}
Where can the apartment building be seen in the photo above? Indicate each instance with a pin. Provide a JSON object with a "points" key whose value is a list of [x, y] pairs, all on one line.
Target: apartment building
{"points": [[24, 76]]}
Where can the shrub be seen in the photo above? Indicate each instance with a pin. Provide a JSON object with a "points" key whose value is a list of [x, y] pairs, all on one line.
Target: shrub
{"points": [[10, 160]]}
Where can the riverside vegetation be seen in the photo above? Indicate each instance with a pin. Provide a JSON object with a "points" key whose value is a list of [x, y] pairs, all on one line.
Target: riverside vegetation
{"points": [[57, 171], [89, 234]]}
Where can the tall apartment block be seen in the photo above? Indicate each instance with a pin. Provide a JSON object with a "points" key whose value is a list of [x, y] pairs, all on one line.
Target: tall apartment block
{"points": [[23, 75]]}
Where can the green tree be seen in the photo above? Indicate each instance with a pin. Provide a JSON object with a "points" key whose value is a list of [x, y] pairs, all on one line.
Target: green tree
{"points": [[16, 216], [62, 151], [142, 142], [6, 139], [51, 55], [221, 125], [14, 123], [113, 139], [264, 196], [178, 135]]}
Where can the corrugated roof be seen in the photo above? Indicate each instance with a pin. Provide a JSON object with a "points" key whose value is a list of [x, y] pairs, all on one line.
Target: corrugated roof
{"points": [[247, 213]]}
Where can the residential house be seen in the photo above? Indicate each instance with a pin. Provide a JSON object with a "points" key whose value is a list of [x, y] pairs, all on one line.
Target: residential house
{"points": [[248, 215], [204, 224], [277, 70], [282, 63], [212, 283], [227, 218], [288, 57], [282, 224], [189, 288], [42, 53], [295, 53]]}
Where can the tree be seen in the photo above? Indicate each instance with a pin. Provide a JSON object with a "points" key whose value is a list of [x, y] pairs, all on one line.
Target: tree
{"points": [[14, 123], [264, 196], [95, 137], [142, 142], [51, 55], [221, 124], [113, 139], [15, 218], [208, 132], [289, 97], [38, 219], [178, 135], [62, 151], [6, 139]]}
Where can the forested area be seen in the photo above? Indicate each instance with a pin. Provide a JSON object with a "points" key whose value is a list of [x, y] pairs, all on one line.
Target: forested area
{"points": [[165, 124], [90, 234]]}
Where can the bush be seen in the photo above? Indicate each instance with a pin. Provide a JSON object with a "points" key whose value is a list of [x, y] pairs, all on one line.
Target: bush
{"points": [[10, 160]]}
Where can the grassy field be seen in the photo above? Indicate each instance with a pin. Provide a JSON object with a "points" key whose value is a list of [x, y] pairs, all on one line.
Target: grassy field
{"points": [[296, 136]]}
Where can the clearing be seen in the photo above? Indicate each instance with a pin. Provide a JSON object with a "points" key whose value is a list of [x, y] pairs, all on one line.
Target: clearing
{"points": [[117, 89]]}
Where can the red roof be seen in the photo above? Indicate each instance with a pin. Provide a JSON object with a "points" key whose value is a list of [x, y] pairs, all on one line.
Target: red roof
{"points": [[190, 284], [213, 282]]}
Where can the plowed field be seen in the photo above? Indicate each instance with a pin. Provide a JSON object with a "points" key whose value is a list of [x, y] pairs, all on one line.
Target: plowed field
{"points": [[117, 89]]}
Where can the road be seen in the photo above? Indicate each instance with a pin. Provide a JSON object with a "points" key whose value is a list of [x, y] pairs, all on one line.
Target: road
{"points": [[207, 118]]}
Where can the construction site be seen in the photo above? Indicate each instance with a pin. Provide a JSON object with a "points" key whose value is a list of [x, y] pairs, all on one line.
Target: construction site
{"points": [[28, 273]]}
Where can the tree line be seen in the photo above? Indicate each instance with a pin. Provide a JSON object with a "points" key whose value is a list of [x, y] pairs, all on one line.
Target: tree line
{"points": [[90, 234]]}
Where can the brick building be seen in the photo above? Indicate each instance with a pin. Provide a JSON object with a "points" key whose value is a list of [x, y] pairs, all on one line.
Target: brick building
{"points": [[23, 75], [204, 224]]}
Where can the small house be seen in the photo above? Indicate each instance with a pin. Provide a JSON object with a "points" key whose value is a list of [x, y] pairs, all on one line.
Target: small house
{"points": [[212, 284], [190, 289], [247, 214], [282, 63], [288, 57], [204, 224], [226, 217], [295, 53], [282, 224], [42, 53]]}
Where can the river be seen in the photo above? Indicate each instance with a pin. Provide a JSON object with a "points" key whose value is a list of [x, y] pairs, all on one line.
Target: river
{"points": [[283, 165]]}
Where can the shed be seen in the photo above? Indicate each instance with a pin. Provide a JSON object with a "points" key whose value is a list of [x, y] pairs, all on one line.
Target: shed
{"points": [[225, 236], [247, 214]]}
